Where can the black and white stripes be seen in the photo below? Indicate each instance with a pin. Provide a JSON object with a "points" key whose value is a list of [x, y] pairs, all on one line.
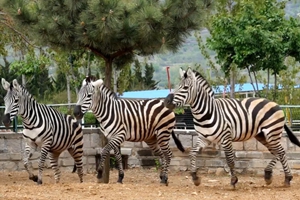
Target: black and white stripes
{"points": [[223, 121], [128, 120], [44, 127]]}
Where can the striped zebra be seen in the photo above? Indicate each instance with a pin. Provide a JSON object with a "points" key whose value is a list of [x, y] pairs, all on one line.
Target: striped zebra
{"points": [[44, 127], [128, 120], [223, 121]]}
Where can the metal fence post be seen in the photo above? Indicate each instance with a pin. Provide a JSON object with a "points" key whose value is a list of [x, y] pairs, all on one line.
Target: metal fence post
{"points": [[15, 124]]}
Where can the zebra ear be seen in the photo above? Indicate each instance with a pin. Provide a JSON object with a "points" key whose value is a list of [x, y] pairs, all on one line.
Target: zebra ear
{"points": [[181, 72], [191, 74], [97, 83], [84, 82], [16, 85], [5, 84]]}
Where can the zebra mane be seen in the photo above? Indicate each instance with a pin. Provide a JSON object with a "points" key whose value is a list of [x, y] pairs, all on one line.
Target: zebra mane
{"points": [[106, 90], [109, 92], [206, 86], [25, 91]]}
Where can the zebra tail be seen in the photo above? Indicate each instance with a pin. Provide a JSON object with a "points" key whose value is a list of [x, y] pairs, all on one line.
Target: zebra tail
{"points": [[291, 135], [74, 168], [177, 142]]}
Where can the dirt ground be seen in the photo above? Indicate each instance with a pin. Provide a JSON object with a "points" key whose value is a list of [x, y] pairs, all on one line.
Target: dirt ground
{"points": [[143, 184]]}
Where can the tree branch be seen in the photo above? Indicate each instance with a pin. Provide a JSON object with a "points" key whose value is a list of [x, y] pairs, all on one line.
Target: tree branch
{"points": [[122, 52], [97, 53], [18, 32]]}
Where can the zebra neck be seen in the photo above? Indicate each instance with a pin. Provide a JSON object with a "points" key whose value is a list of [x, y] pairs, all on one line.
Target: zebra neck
{"points": [[28, 111], [204, 106], [104, 106]]}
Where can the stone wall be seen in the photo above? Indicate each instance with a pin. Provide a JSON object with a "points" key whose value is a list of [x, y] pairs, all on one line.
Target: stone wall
{"points": [[251, 156]]}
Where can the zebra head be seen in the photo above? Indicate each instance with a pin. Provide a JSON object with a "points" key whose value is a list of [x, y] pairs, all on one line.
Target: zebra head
{"points": [[185, 92], [85, 96], [11, 100]]}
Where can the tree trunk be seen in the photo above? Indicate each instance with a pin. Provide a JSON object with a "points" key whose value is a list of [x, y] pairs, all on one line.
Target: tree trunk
{"points": [[104, 141], [232, 82], [275, 87], [89, 73], [268, 81], [115, 80], [108, 73], [255, 78], [68, 90], [251, 80]]}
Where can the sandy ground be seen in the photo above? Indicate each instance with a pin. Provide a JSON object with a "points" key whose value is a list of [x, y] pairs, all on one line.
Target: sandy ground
{"points": [[143, 184]]}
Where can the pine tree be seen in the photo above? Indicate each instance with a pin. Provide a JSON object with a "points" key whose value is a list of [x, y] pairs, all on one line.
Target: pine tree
{"points": [[112, 29], [149, 83]]}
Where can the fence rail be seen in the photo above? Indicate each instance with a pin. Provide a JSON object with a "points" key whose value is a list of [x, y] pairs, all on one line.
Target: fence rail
{"points": [[292, 113]]}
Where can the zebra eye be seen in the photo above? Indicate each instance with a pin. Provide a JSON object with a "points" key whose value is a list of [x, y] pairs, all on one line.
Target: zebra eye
{"points": [[16, 100]]}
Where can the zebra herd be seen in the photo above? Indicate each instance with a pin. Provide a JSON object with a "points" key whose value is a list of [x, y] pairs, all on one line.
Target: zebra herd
{"points": [[219, 121]]}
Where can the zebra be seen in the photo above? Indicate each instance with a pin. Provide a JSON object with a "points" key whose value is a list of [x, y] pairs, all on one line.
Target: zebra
{"points": [[128, 120], [43, 127], [224, 120]]}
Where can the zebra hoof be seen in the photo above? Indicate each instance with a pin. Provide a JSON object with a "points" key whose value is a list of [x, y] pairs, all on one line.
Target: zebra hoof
{"points": [[164, 180], [268, 177], [233, 181], [99, 174], [34, 178], [120, 179], [197, 181], [39, 182], [287, 181]]}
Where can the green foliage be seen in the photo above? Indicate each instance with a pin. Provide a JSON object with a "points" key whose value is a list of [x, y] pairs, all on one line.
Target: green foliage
{"points": [[35, 69], [113, 30], [251, 34], [6, 73], [179, 110], [89, 118], [140, 77], [148, 77], [157, 164]]}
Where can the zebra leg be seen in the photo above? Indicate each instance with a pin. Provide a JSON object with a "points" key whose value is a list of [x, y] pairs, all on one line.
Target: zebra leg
{"points": [[120, 164], [200, 144], [167, 154], [227, 146], [77, 154], [54, 165], [116, 142], [27, 156], [278, 151], [163, 142], [280, 154], [157, 151], [44, 152], [269, 169]]}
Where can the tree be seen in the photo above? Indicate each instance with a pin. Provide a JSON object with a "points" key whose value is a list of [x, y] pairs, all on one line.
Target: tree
{"points": [[251, 36], [140, 77], [34, 67], [113, 30], [149, 83]]}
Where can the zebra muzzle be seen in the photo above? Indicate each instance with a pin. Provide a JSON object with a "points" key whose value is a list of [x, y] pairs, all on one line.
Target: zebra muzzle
{"points": [[6, 120], [77, 112], [169, 101]]}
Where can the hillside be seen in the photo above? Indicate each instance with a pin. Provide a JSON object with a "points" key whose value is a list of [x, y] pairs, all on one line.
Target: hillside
{"points": [[189, 54]]}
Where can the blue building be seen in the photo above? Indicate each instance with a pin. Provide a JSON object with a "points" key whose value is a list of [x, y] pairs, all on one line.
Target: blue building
{"points": [[246, 89]]}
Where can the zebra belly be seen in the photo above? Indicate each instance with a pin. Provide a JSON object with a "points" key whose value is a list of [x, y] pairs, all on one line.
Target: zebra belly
{"points": [[32, 136]]}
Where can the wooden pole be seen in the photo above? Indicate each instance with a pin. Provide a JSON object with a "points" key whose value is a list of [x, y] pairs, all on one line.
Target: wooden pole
{"points": [[106, 165], [105, 175], [169, 82]]}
